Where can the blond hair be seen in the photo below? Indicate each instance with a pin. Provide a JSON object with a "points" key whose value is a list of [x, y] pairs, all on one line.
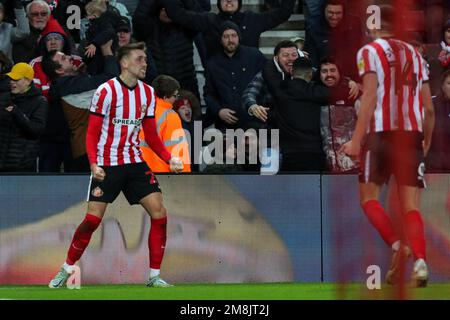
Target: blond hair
{"points": [[96, 7]]}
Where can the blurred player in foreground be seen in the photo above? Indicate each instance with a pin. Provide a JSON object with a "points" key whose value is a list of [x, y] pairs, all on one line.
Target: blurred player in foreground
{"points": [[395, 97], [118, 109]]}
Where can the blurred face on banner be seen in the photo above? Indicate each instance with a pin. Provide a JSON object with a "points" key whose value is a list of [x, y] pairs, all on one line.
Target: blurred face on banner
{"points": [[38, 16], [334, 15]]}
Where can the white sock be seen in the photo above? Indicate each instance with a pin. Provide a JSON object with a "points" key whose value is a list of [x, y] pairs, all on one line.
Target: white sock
{"points": [[154, 272], [65, 266], [396, 245]]}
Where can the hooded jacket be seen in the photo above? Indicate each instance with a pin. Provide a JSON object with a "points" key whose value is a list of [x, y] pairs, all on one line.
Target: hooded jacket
{"points": [[227, 77], [41, 81], [297, 110], [170, 45], [20, 130], [251, 24], [28, 48]]}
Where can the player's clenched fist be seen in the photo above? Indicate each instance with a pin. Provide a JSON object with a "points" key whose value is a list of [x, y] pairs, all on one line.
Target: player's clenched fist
{"points": [[97, 172], [351, 149], [176, 165]]}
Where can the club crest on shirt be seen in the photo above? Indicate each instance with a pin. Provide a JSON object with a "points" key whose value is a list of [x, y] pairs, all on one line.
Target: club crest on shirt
{"points": [[97, 192], [361, 64]]}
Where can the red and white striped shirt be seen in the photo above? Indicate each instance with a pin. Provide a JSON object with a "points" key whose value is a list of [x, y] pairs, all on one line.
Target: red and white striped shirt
{"points": [[123, 110], [401, 71]]}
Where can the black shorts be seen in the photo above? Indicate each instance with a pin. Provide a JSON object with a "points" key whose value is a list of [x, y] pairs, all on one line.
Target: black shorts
{"points": [[136, 180], [397, 153]]}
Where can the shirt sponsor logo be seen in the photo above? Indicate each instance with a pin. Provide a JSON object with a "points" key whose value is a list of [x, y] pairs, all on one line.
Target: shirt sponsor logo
{"points": [[126, 122]]}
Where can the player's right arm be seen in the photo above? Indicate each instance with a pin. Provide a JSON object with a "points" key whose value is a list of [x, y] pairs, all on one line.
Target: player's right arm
{"points": [[99, 107], [368, 104], [367, 70]]}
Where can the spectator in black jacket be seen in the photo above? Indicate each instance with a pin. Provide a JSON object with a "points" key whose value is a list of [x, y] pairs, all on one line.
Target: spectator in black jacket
{"points": [[337, 34], [257, 99], [169, 43], [22, 120], [70, 95], [297, 116], [102, 28], [227, 75], [251, 24]]}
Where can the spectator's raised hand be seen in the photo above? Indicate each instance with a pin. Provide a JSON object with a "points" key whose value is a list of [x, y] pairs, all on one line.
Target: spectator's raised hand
{"points": [[90, 51], [227, 115]]}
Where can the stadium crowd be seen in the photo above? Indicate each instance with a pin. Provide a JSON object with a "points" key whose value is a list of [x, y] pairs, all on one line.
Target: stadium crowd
{"points": [[51, 63]]}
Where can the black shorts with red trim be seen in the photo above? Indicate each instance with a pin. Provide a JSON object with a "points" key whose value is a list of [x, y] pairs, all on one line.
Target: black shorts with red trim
{"points": [[135, 180], [397, 153]]}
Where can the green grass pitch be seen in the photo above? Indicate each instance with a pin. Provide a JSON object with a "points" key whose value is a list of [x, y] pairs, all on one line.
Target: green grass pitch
{"points": [[266, 291]]}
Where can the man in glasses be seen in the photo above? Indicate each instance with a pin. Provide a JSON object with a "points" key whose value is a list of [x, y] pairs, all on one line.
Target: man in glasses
{"points": [[39, 15]]}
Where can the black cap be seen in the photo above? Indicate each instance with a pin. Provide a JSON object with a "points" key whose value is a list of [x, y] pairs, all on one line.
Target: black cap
{"points": [[124, 24]]}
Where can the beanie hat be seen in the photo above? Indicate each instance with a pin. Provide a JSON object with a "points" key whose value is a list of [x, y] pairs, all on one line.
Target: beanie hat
{"points": [[54, 34], [229, 25]]}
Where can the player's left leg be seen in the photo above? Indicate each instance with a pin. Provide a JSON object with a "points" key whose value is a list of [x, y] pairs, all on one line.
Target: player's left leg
{"points": [[414, 229], [153, 204]]}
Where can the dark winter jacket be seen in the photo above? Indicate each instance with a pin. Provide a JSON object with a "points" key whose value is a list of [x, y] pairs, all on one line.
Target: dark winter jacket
{"points": [[53, 26], [342, 42], [20, 130], [251, 24], [102, 29], [297, 110], [170, 45], [226, 80], [26, 49]]}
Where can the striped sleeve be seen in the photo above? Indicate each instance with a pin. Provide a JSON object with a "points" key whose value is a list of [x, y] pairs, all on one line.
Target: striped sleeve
{"points": [[366, 61], [101, 101], [425, 71]]}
